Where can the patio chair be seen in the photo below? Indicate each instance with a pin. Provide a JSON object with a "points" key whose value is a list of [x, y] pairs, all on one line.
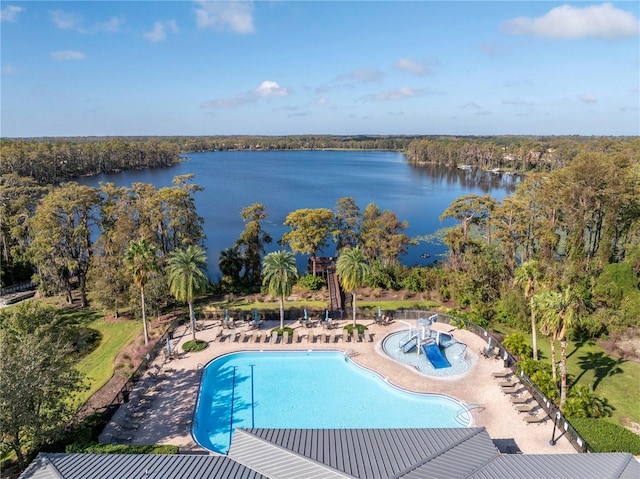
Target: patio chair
{"points": [[367, 336], [327, 337], [296, 336], [535, 419], [285, 337], [521, 400], [248, 336], [502, 374], [507, 384], [526, 407], [511, 390], [337, 336], [274, 337]]}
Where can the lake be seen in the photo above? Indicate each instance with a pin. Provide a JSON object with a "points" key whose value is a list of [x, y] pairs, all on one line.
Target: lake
{"points": [[285, 181]]}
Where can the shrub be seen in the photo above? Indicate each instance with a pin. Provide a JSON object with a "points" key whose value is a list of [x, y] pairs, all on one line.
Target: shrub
{"points": [[195, 346], [517, 345], [583, 402], [96, 448], [360, 327], [311, 282], [281, 331], [605, 436]]}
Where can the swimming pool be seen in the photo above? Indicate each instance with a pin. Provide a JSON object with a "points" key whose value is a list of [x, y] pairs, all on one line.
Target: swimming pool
{"points": [[311, 390]]}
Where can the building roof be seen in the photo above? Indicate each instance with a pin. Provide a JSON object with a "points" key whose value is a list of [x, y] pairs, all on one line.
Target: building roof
{"points": [[342, 453]]}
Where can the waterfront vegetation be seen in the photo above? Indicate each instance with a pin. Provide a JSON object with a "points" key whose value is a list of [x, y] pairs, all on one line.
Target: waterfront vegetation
{"points": [[560, 255]]}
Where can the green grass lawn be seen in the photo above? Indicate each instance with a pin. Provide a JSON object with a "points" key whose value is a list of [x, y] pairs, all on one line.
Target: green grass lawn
{"points": [[98, 365], [616, 380]]}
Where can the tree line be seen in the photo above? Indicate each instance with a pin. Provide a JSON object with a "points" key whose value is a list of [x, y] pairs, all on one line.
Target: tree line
{"points": [[53, 160]]}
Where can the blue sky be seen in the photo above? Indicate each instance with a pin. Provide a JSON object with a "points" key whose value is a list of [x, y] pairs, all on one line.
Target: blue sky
{"points": [[83, 68]]}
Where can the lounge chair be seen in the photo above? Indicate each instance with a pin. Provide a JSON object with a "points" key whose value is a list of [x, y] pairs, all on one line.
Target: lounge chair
{"points": [[521, 400], [327, 336], [337, 336], [526, 408], [507, 384], [248, 336], [274, 337], [285, 337], [535, 419], [295, 338], [502, 374], [367, 336], [511, 390]]}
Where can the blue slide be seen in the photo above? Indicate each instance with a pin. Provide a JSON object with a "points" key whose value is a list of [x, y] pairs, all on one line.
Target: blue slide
{"points": [[433, 353]]}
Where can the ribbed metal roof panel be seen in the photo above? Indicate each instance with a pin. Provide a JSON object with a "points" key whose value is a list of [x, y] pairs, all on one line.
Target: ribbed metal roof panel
{"points": [[276, 461], [147, 466], [458, 460], [377, 453], [561, 466]]}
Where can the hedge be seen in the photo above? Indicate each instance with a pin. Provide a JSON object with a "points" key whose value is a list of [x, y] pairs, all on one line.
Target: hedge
{"points": [[605, 436], [95, 448]]}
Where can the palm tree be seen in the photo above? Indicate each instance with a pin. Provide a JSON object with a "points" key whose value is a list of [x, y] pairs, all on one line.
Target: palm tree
{"points": [[526, 276], [186, 271], [230, 263], [352, 270], [564, 306], [140, 259], [279, 272]]}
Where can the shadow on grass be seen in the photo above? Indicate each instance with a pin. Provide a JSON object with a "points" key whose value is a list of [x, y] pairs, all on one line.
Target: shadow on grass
{"points": [[603, 366]]}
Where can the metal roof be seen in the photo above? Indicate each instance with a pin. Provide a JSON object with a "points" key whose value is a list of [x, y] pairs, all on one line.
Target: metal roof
{"points": [[561, 466], [137, 466], [385, 453], [342, 453], [275, 461]]}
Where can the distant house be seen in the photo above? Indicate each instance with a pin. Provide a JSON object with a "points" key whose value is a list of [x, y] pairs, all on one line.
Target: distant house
{"points": [[342, 453]]}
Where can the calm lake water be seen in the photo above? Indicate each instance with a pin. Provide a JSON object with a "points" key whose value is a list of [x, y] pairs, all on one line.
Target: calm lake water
{"points": [[285, 181]]}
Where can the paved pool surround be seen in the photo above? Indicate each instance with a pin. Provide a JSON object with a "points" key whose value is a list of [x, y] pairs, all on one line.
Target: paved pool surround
{"points": [[168, 419]]}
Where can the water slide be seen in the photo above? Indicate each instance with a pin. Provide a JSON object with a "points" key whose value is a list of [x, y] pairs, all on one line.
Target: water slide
{"points": [[433, 353]]}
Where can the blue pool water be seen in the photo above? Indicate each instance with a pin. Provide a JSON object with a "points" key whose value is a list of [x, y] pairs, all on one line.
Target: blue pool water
{"points": [[305, 389], [453, 351]]}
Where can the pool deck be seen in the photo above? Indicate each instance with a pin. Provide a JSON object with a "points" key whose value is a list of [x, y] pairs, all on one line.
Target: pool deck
{"points": [[162, 405]]}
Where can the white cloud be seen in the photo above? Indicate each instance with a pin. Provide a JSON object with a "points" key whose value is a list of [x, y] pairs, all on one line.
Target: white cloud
{"points": [[598, 21], [270, 88], [411, 67], [73, 21], [266, 89], [110, 26], [236, 17], [393, 95], [588, 98], [159, 32], [321, 101], [66, 21], [64, 55], [362, 75], [8, 69], [517, 102], [10, 13]]}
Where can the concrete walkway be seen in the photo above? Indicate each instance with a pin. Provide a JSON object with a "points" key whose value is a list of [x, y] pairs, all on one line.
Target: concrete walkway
{"points": [[161, 408]]}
